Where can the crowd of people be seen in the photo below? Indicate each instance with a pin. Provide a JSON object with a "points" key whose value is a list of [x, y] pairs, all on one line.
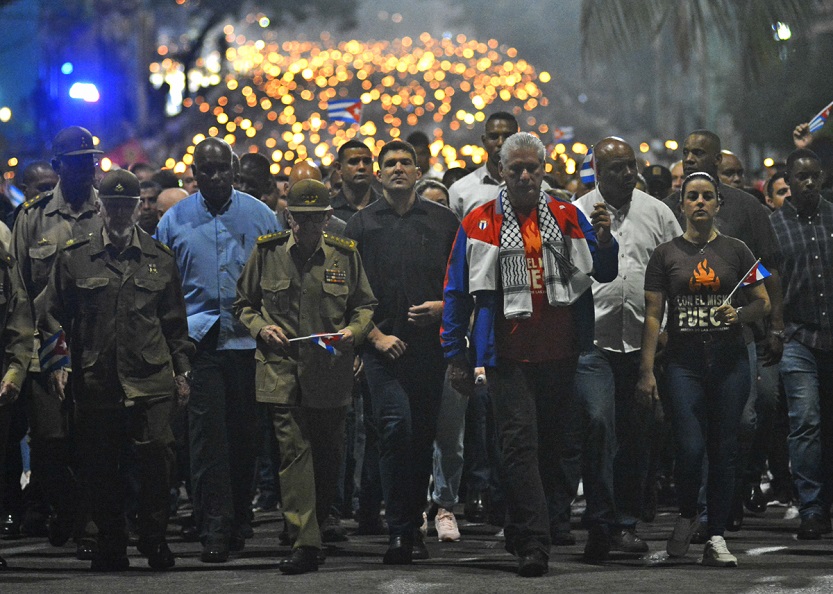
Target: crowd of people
{"points": [[383, 342]]}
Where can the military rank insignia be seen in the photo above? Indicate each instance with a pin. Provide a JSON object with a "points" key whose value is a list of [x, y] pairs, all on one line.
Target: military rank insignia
{"points": [[152, 269], [335, 275]]}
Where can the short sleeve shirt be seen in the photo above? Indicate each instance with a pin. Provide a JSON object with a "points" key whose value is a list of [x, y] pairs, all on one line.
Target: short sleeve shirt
{"points": [[696, 282]]}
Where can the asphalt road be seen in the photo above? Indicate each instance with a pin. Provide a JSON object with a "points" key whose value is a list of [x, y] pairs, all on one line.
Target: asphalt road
{"points": [[769, 556]]}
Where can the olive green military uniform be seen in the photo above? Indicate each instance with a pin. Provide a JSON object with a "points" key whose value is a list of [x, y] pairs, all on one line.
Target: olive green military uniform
{"points": [[124, 317], [43, 226], [308, 388]]}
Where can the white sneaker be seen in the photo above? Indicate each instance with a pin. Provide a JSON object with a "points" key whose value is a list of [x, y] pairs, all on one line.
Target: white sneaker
{"points": [[424, 527], [715, 554], [680, 540], [446, 525]]}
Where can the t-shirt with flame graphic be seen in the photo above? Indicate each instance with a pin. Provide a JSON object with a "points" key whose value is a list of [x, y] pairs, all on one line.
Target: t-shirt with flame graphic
{"points": [[695, 284]]}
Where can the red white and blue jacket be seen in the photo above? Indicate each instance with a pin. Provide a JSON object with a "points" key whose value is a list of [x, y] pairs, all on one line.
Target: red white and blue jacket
{"points": [[482, 226]]}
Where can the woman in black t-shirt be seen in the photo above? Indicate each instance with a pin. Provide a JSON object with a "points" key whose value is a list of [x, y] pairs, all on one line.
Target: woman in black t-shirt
{"points": [[707, 372]]}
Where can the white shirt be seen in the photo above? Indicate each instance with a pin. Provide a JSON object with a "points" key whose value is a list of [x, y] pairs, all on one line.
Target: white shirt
{"points": [[477, 188], [639, 227]]}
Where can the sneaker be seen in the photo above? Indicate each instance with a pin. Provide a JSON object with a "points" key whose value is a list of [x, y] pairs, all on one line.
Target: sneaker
{"points": [[715, 554], [627, 541], [681, 536], [446, 525], [424, 528]]}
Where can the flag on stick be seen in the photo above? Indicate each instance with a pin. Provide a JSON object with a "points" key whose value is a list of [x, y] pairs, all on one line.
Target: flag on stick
{"points": [[755, 274], [54, 354], [588, 168], [327, 341], [817, 123]]}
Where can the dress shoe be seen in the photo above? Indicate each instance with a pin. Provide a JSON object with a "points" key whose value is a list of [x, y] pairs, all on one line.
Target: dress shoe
{"points": [[400, 552], [159, 556], [627, 541], [757, 501], [110, 563], [86, 549], [302, 560], [533, 564], [597, 548], [236, 543], [333, 531], [812, 527], [60, 531], [419, 551], [475, 509], [11, 526], [214, 553]]}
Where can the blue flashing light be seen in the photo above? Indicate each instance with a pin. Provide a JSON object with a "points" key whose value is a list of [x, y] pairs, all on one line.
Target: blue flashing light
{"points": [[84, 91], [67, 68]]}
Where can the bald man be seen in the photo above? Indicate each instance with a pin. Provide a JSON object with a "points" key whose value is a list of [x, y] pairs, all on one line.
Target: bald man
{"points": [[607, 375], [167, 198], [730, 170]]}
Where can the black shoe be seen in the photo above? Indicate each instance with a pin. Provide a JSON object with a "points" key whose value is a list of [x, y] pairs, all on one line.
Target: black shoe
{"points": [[189, 532], [245, 530], [400, 552], [627, 541], [419, 551], [597, 548], [108, 563], [60, 531], [533, 564], [475, 508], [701, 534], [812, 527], [86, 550], [214, 553], [159, 556], [735, 521], [302, 560], [236, 543], [757, 501], [562, 538], [333, 531], [11, 526]]}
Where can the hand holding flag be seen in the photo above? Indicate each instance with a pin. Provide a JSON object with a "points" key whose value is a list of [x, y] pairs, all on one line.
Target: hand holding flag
{"points": [[327, 341], [755, 274], [817, 123]]}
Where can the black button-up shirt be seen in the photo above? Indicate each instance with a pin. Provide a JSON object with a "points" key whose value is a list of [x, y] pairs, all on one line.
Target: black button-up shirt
{"points": [[807, 258], [405, 259], [344, 209]]}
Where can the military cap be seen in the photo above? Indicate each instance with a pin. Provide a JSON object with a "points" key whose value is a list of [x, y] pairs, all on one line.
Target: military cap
{"points": [[120, 184], [74, 140], [308, 195], [657, 173]]}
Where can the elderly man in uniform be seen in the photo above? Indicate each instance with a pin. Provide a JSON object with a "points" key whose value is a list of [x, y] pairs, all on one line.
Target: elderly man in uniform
{"points": [[297, 284], [44, 224], [117, 297]]}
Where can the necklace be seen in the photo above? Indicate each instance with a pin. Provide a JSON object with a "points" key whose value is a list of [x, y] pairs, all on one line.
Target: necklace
{"points": [[702, 246]]}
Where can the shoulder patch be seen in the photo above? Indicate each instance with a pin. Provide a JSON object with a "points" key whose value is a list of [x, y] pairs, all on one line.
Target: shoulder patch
{"points": [[76, 241], [339, 241], [42, 197], [273, 237], [163, 247]]}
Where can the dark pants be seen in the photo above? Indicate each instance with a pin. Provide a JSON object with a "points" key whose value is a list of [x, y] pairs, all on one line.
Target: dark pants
{"points": [[370, 490], [535, 411], [311, 442], [222, 426], [102, 435], [708, 385], [406, 396]]}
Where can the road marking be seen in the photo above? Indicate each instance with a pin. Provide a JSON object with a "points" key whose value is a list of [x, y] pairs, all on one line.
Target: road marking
{"points": [[764, 550]]}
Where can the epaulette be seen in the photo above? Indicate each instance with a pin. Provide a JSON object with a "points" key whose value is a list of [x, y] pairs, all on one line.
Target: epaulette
{"points": [[39, 198], [76, 241], [163, 247], [273, 237], [339, 241]]}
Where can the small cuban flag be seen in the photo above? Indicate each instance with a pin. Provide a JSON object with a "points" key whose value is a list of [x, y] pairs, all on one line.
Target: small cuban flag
{"points": [[817, 123], [327, 342], [564, 134], [345, 110], [54, 354], [758, 273], [588, 168]]}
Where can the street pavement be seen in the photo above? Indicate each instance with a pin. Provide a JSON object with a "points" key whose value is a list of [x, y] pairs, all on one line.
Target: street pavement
{"points": [[769, 556]]}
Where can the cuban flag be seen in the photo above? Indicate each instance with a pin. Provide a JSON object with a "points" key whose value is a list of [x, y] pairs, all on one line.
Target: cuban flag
{"points": [[345, 110], [758, 273], [327, 342], [817, 123], [588, 168], [54, 354], [565, 134]]}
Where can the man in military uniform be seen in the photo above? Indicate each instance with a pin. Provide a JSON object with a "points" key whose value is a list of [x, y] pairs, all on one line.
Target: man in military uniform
{"points": [[44, 224], [300, 283], [18, 337], [117, 295]]}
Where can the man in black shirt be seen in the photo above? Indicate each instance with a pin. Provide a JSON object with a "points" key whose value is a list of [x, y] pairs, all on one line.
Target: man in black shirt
{"points": [[404, 241], [355, 165]]}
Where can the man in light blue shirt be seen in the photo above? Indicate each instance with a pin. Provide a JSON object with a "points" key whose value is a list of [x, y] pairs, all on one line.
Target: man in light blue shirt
{"points": [[212, 234]]}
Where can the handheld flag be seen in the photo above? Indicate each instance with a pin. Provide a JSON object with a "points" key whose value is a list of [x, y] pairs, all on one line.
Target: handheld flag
{"points": [[817, 123], [54, 354], [755, 274], [588, 168], [325, 341], [345, 110]]}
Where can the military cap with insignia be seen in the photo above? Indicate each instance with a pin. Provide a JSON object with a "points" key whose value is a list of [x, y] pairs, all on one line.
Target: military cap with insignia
{"points": [[308, 195], [72, 141], [120, 184]]}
